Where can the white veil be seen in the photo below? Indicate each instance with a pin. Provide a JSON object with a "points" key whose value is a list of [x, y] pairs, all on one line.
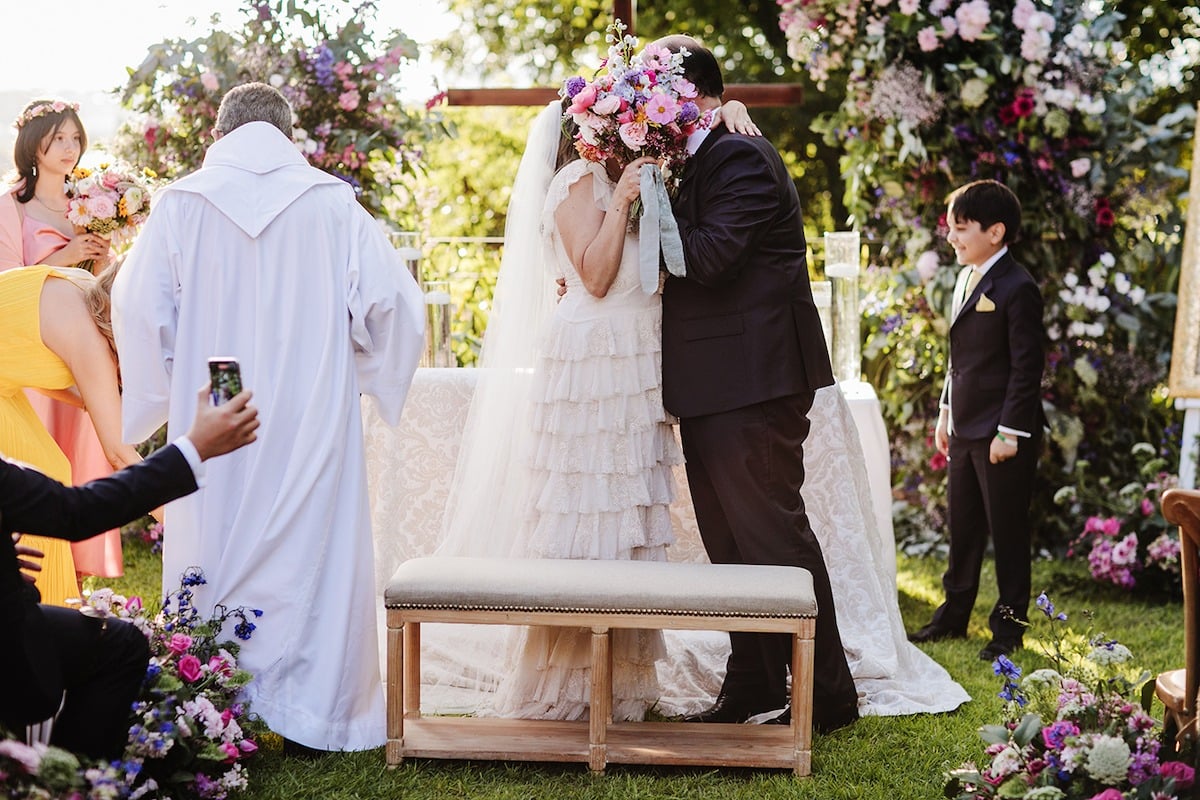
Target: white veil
{"points": [[486, 505]]}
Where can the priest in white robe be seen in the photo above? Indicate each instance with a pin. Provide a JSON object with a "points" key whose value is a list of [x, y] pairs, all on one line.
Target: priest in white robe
{"points": [[262, 257]]}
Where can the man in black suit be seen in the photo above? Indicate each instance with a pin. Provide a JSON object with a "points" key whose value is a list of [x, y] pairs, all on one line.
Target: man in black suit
{"points": [[990, 424], [49, 651], [743, 355]]}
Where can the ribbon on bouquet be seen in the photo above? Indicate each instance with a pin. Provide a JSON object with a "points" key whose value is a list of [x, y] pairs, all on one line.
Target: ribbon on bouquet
{"points": [[659, 232]]}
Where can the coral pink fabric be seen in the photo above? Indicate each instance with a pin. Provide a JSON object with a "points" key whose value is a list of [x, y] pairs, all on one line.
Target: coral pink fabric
{"points": [[25, 241]]}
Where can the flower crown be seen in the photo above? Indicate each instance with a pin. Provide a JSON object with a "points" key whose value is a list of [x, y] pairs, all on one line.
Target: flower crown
{"points": [[42, 109]]}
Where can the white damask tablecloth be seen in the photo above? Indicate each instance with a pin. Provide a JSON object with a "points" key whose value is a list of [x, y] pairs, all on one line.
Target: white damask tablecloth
{"points": [[847, 494]]}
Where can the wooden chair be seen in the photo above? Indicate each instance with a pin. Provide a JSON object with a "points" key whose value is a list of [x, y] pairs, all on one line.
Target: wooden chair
{"points": [[1177, 689]]}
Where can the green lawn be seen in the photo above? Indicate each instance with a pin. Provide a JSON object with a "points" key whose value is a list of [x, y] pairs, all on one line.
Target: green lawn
{"points": [[889, 758]]}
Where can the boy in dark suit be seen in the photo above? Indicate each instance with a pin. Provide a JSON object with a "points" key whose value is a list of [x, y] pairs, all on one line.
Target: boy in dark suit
{"points": [[50, 651], [990, 424]]}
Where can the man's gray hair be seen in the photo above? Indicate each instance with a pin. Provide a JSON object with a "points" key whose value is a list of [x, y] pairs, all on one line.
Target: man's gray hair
{"points": [[254, 102]]}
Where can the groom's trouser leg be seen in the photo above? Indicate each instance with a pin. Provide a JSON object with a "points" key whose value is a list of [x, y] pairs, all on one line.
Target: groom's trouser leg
{"points": [[745, 469]]}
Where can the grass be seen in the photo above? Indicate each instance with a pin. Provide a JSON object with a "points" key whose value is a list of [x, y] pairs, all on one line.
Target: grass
{"points": [[883, 758]]}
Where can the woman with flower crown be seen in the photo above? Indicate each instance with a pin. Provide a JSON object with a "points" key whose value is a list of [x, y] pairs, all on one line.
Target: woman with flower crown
{"points": [[568, 452], [34, 229]]}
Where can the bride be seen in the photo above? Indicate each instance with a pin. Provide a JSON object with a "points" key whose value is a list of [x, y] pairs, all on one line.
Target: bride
{"points": [[567, 453]]}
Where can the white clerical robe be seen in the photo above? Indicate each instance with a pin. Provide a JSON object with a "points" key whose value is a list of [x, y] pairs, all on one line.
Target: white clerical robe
{"points": [[261, 257]]}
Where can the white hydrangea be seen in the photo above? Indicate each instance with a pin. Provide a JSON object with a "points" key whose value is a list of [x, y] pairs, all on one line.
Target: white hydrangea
{"points": [[1044, 793], [1108, 760], [1041, 679]]}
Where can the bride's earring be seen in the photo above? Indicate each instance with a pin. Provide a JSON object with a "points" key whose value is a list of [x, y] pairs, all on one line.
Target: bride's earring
{"points": [[33, 169]]}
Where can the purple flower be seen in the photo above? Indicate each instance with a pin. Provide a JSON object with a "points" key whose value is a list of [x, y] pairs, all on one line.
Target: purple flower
{"points": [[574, 86], [1055, 736]]}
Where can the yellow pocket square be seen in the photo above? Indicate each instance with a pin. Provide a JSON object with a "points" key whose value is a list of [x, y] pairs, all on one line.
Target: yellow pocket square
{"points": [[985, 304]]}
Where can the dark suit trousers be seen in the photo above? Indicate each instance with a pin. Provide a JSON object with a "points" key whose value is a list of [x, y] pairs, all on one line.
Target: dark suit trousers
{"points": [[103, 664], [989, 500], [745, 469]]}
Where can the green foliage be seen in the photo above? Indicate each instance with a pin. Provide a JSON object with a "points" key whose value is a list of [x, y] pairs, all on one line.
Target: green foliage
{"points": [[339, 73], [1053, 108]]}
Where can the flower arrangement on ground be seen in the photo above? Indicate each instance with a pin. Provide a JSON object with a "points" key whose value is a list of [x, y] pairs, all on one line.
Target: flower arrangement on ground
{"points": [[1125, 539], [338, 70], [111, 200], [189, 733], [1036, 95], [639, 104], [1073, 729]]}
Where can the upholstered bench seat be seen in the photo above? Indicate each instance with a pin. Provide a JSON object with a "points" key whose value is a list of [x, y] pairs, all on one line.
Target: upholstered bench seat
{"points": [[600, 595]]}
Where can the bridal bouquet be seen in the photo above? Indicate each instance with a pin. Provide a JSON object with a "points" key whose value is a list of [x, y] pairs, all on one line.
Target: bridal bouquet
{"points": [[112, 200], [639, 104], [1080, 733]]}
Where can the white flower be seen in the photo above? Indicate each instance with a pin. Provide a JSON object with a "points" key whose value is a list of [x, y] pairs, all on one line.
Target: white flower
{"points": [[276, 80], [1071, 279], [1044, 793], [973, 18], [1108, 259], [1006, 762], [1108, 760], [1136, 295], [1041, 679], [1107, 656], [974, 93]]}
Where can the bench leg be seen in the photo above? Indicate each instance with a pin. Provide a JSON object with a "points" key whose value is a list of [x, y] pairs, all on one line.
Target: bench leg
{"points": [[600, 709], [412, 670], [802, 700], [395, 691]]}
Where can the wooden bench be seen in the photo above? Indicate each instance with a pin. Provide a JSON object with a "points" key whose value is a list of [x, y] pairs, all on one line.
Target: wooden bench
{"points": [[600, 595]]}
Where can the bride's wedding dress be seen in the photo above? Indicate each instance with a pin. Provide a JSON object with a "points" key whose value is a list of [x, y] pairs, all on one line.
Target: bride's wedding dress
{"points": [[497, 505]]}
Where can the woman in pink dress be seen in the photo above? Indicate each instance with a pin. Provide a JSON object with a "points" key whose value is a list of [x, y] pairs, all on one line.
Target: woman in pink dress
{"points": [[34, 230]]}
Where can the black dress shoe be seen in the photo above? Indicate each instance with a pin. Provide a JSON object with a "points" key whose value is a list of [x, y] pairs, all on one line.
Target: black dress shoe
{"points": [[935, 633], [733, 708], [996, 648]]}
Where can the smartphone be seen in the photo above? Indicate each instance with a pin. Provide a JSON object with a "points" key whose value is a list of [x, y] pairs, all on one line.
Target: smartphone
{"points": [[226, 377]]}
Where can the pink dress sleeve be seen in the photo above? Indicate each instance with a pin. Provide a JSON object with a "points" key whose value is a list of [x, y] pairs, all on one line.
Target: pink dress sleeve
{"points": [[11, 235]]}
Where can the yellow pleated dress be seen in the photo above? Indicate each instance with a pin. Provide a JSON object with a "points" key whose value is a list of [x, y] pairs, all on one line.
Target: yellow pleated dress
{"points": [[26, 362]]}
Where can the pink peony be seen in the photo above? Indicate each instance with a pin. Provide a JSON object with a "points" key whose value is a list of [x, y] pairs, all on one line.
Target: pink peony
{"points": [[633, 134], [609, 104], [190, 669], [180, 643]]}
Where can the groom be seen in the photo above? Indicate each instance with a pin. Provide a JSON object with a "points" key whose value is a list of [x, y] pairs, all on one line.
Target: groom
{"points": [[743, 354]]}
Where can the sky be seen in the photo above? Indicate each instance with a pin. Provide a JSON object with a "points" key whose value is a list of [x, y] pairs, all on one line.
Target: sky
{"points": [[105, 36], [79, 49]]}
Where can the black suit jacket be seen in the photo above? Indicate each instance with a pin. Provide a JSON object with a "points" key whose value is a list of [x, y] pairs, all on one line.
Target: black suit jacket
{"points": [[32, 503], [741, 328], [997, 356]]}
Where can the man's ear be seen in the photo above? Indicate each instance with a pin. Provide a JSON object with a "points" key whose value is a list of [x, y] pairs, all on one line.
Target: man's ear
{"points": [[997, 232]]}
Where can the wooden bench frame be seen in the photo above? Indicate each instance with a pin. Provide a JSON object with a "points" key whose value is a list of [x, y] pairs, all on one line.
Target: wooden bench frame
{"points": [[597, 741]]}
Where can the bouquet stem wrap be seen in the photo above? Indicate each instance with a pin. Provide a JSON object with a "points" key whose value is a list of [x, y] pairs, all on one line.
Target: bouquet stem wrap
{"points": [[659, 231]]}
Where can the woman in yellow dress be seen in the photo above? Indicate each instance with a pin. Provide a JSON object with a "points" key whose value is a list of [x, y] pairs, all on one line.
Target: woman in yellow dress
{"points": [[54, 323]]}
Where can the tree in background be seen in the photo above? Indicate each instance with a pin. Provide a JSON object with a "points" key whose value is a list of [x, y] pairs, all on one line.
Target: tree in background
{"points": [[328, 59]]}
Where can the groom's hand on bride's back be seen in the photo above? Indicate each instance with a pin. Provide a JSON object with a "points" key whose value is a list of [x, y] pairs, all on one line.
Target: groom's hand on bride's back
{"points": [[562, 287]]}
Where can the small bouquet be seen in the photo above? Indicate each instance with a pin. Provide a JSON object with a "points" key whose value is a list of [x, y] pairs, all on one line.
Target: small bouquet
{"points": [[188, 736], [639, 104], [112, 200]]}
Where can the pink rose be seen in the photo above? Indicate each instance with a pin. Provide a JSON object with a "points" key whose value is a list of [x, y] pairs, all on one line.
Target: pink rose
{"points": [[1184, 775], [100, 207], [348, 100], [230, 750], [609, 104], [1108, 794], [190, 669], [180, 643]]}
